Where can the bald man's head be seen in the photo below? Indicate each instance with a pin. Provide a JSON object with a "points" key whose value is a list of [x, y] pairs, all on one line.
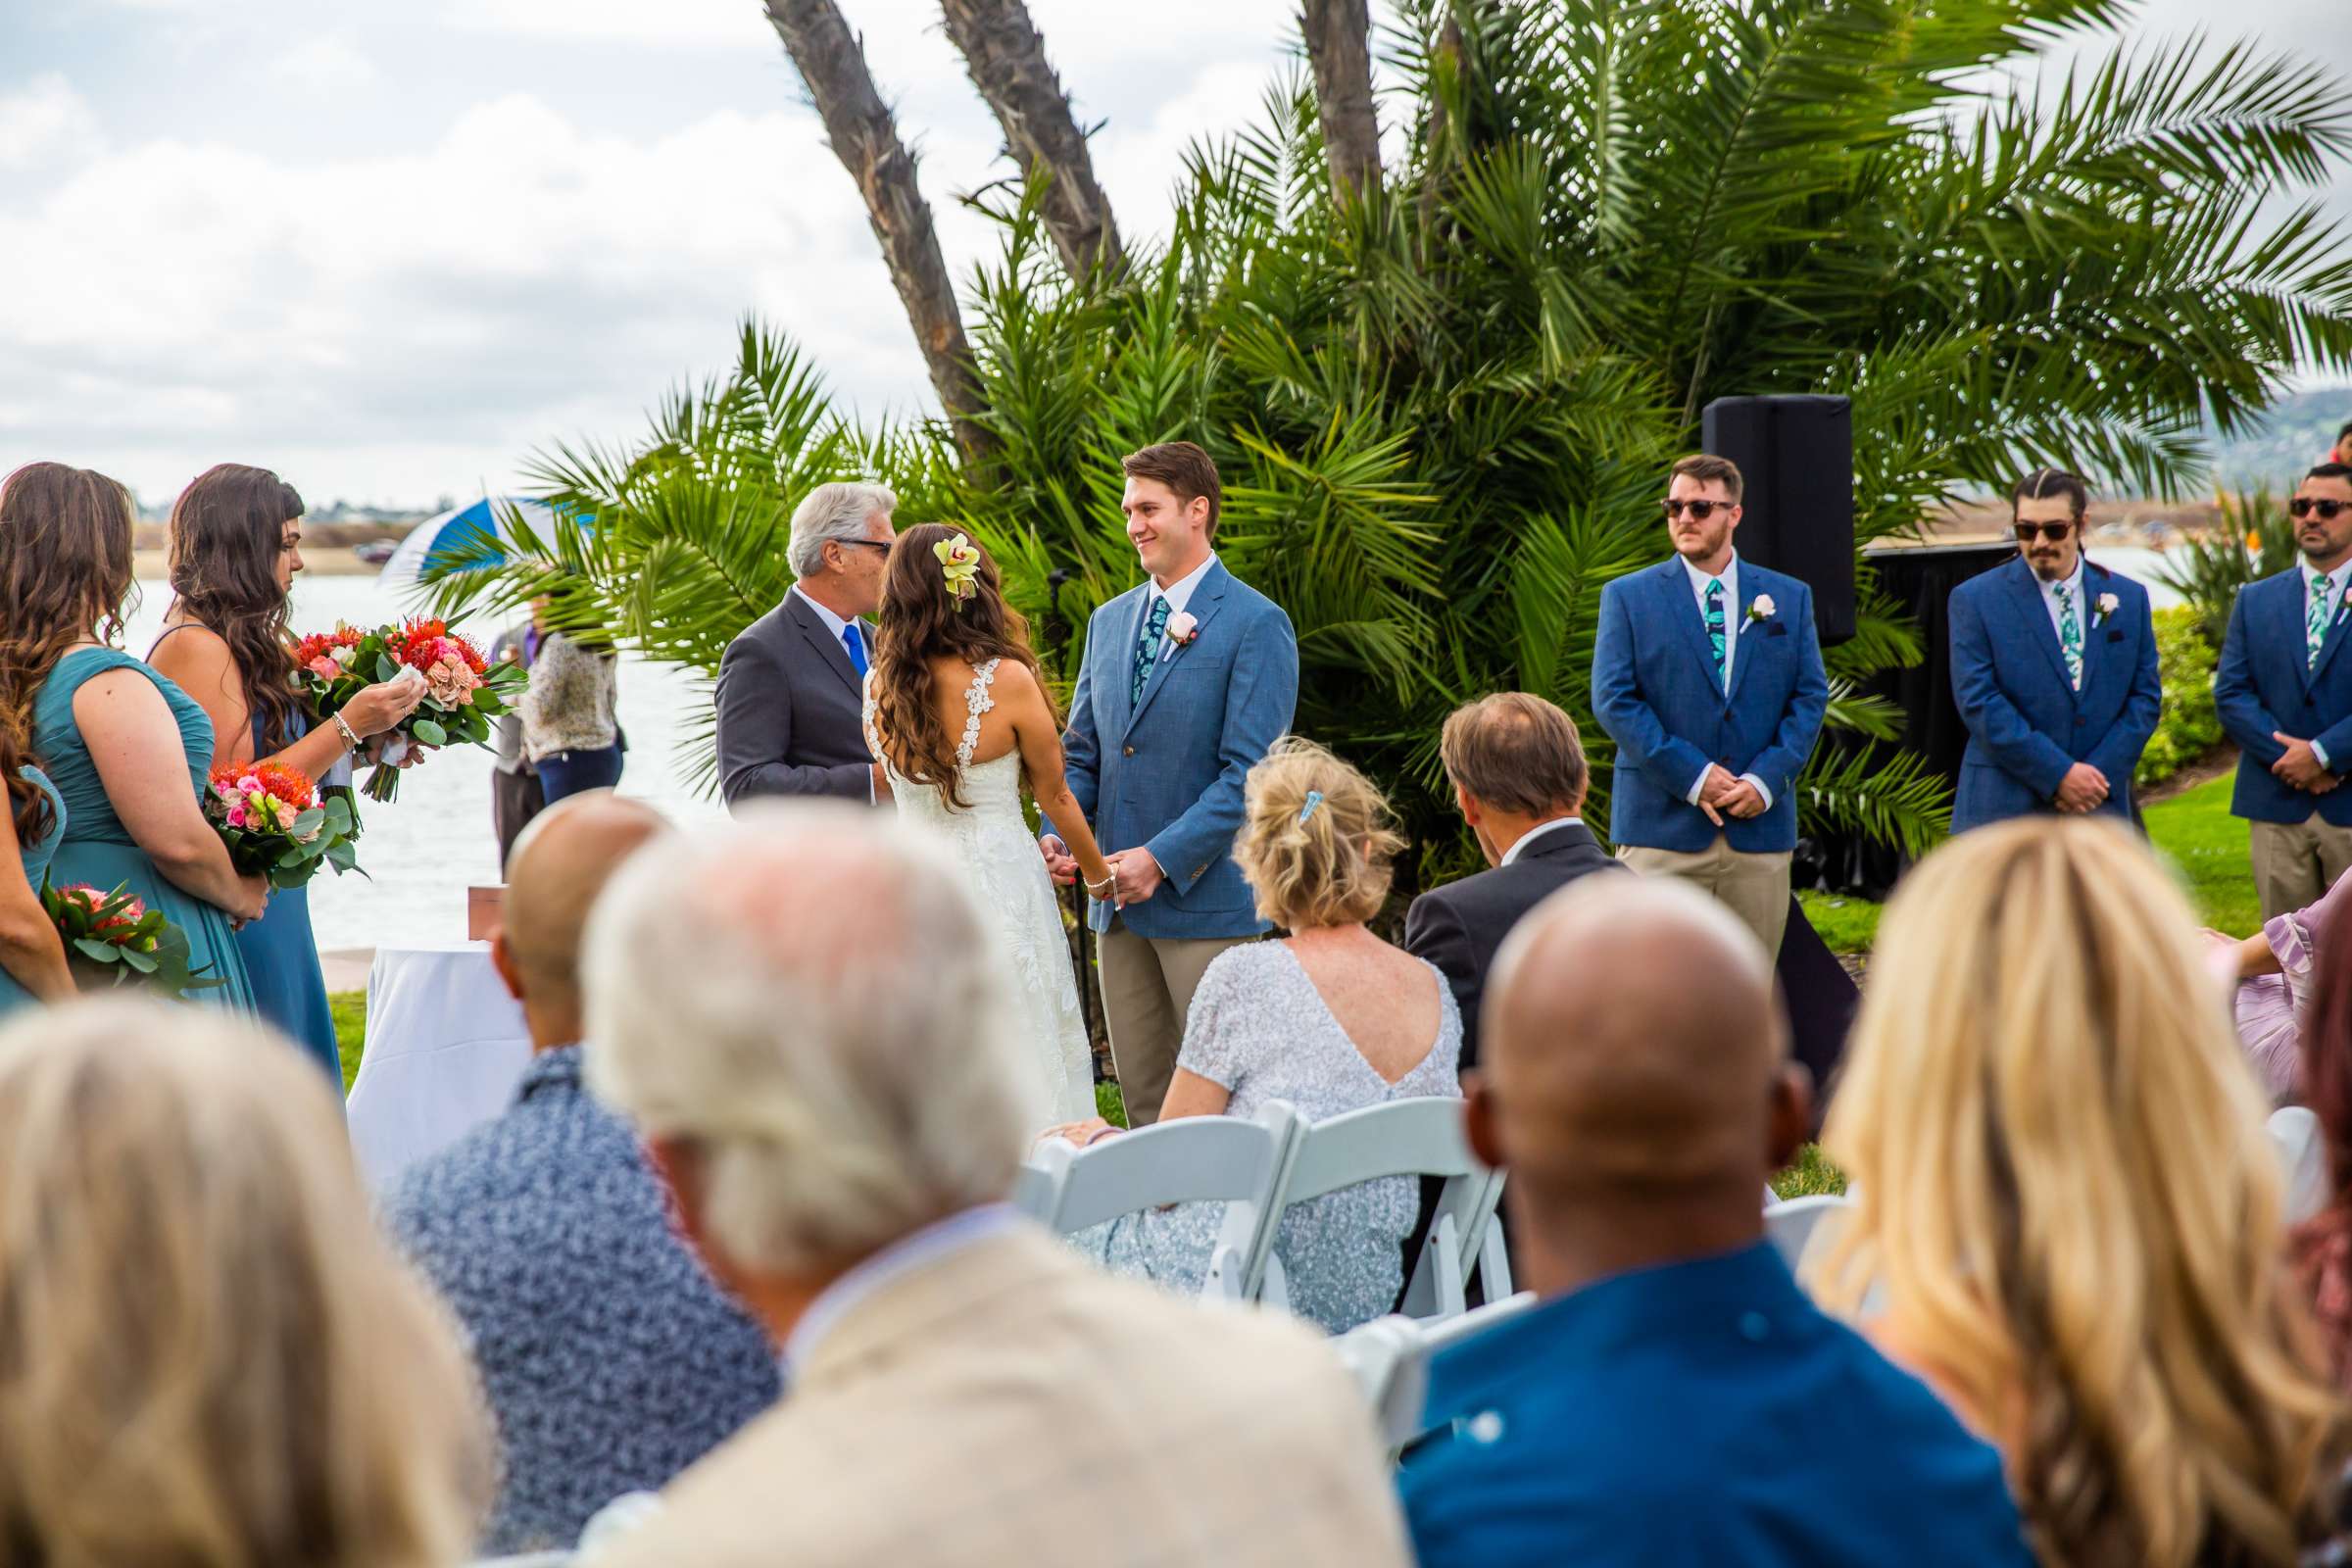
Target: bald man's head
{"points": [[1634, 1046], [560, 865]]}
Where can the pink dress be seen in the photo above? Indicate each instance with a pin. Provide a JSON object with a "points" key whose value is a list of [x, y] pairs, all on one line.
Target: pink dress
{"points": [[2270, 1007]]}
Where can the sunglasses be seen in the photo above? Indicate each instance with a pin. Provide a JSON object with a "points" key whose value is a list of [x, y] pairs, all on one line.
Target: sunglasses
{"points": [[1700, 511], [2305, 506], [866, 544], [2054, 532]]}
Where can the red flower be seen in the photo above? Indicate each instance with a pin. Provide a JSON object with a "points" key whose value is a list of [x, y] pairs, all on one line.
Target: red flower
{"points": [[289, 784]]}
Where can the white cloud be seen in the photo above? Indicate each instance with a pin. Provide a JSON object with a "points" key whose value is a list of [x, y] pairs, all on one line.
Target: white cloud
{"points": [[325, 63], [47, 121], [671, 23]]}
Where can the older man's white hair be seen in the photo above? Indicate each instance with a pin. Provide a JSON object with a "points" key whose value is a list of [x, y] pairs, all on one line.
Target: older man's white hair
{"points": [[809, 997], [832, 513]]}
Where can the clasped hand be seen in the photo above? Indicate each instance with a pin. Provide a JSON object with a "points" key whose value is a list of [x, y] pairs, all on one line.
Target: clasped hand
{"points": [[1135, 874], [2083, 789], [1722, 796], [2301, 766]]}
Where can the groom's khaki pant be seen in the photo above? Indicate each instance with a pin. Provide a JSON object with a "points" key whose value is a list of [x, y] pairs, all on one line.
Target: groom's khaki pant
{"points": [[1753, 887], [1147, 986]]}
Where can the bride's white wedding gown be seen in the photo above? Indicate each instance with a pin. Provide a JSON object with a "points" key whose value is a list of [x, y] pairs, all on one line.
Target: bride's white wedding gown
{"points": [[994, 845]]}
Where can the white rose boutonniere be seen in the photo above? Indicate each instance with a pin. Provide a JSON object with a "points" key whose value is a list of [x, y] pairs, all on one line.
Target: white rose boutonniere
{"points": [[1182, 629], [2108, 605], [1761, 608]]}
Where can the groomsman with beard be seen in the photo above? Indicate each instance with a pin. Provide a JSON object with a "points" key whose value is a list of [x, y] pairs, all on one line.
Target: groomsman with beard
{"points": [[1707, 673], [2053, 668], [2284, 694]]}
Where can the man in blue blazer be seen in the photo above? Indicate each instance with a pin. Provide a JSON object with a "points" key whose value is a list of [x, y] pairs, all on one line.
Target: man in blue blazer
{"points": [[1187, 682], [1707, 673], [2284, 694], [2053, 667]]}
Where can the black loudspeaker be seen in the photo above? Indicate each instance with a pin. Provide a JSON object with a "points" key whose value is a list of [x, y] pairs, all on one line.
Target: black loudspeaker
{"points": [[1797, 512]]}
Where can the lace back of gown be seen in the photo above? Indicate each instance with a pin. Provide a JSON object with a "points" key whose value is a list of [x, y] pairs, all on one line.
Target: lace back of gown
{"points": [[992, 841]]}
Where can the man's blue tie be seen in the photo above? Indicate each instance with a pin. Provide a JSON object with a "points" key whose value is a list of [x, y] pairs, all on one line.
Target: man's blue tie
{"points": [[1147, 647], [855, 644]]}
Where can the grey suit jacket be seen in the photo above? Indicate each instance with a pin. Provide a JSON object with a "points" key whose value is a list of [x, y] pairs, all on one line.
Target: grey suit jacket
{"points": [[788, 712]]}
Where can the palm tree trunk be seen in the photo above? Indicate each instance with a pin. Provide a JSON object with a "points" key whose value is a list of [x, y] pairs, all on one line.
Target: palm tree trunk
{"points": [[1007, 60], [831, 62], [1339, 42]]}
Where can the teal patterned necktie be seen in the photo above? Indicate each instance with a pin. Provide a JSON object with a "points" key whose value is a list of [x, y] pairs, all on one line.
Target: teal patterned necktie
{"points": [[1146, 652], [1715, 623], [2315, 620], [2070, 633]]}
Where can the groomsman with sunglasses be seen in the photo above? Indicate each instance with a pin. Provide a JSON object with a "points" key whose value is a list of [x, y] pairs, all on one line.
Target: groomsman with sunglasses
{"points": [[1707, 673], [2284, 692], [2053, 669]]}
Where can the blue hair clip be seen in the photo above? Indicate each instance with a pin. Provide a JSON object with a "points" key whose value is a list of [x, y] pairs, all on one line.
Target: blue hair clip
{"points": [[1314, 799]]}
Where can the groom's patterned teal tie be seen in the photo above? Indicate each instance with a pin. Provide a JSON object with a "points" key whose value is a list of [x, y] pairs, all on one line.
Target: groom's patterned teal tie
{"points": [[1715, 623], [2315, 620], [2070, 633], [1146, 652]]}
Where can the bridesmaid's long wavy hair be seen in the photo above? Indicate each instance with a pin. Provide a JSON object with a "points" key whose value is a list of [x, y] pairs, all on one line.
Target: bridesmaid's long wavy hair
{"points": [[228, 530], [921, 620], [65, 572]]}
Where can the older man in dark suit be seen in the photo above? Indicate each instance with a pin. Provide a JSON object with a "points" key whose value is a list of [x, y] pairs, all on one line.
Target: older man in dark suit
{"points": [[791, 689], [1517, 767]]}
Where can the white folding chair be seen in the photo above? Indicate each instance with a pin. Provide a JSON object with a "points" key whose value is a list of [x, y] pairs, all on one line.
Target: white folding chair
{"points": [[2303, 1157], [1033, 1190], [1790, 1224], [1421, 1137], [535, 1559], [1238, 1162], [1390, 1358]]}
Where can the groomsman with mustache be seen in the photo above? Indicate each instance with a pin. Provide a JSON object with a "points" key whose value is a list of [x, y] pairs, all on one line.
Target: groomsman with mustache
{"points": [[2053, 668], [2284, 690]]}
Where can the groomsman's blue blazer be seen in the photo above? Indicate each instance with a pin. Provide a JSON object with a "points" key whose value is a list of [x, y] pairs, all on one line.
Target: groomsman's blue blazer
{"points": [[1656, 691], [2026, 724], [2265, 682], [1165, 773]]}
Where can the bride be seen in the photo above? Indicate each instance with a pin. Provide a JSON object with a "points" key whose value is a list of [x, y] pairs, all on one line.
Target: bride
{"points": [[957, 712]]}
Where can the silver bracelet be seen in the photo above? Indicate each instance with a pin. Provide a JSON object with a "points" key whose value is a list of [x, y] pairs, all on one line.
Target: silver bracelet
{"points": [[351, 737]]}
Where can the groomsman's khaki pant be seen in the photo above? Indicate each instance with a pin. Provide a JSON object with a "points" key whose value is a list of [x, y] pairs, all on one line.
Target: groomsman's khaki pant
{"points": [[1753, 887], [1147, 986], [2295, 863]]}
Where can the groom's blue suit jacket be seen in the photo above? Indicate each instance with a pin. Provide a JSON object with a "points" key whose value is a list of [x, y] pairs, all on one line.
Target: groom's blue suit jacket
{"points": [[1656, 693], [2267, 683], [2026, 724], [1165, 772]]}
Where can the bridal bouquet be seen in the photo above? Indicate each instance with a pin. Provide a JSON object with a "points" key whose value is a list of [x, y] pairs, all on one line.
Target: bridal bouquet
{"points": [[113, 939], [273, 821], [463, 692]]}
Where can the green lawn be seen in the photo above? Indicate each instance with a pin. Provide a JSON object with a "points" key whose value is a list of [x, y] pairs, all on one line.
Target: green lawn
{"points": [[2210, 846], [1847, 923], [351, 1030]]}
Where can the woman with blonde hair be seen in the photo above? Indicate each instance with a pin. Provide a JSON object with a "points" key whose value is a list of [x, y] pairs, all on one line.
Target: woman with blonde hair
{"points": [[2064, 1189], [203, 1359], [1330, 1019]]}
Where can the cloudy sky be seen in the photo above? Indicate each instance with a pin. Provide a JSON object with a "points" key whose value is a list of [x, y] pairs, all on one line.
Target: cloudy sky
{"points": [[387, 251]]}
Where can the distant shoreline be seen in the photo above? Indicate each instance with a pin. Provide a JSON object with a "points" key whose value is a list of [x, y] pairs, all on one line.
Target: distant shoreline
{"points": [[317, 560]]}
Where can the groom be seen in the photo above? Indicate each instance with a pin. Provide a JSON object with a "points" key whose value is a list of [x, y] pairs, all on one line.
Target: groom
{"points": [[1188, 681]]}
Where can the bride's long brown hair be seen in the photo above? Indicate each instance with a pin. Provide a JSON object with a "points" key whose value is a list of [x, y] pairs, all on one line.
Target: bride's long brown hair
{"points": [[920, 622]]}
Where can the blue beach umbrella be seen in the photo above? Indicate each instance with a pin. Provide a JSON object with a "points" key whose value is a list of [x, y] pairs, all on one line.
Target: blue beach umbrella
{"points": [[459, 534]]}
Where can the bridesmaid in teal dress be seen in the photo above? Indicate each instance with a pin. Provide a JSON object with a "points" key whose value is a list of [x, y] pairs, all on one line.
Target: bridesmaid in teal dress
{"points": [[33, 961], [236, 543], [125, 749]]}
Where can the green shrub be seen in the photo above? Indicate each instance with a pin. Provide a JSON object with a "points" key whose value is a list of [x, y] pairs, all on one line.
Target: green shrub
{"points": [[2187, 727]]}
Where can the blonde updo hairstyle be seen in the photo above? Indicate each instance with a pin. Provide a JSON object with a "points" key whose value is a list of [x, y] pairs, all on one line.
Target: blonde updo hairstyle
{"points": [[1329, 866]]}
